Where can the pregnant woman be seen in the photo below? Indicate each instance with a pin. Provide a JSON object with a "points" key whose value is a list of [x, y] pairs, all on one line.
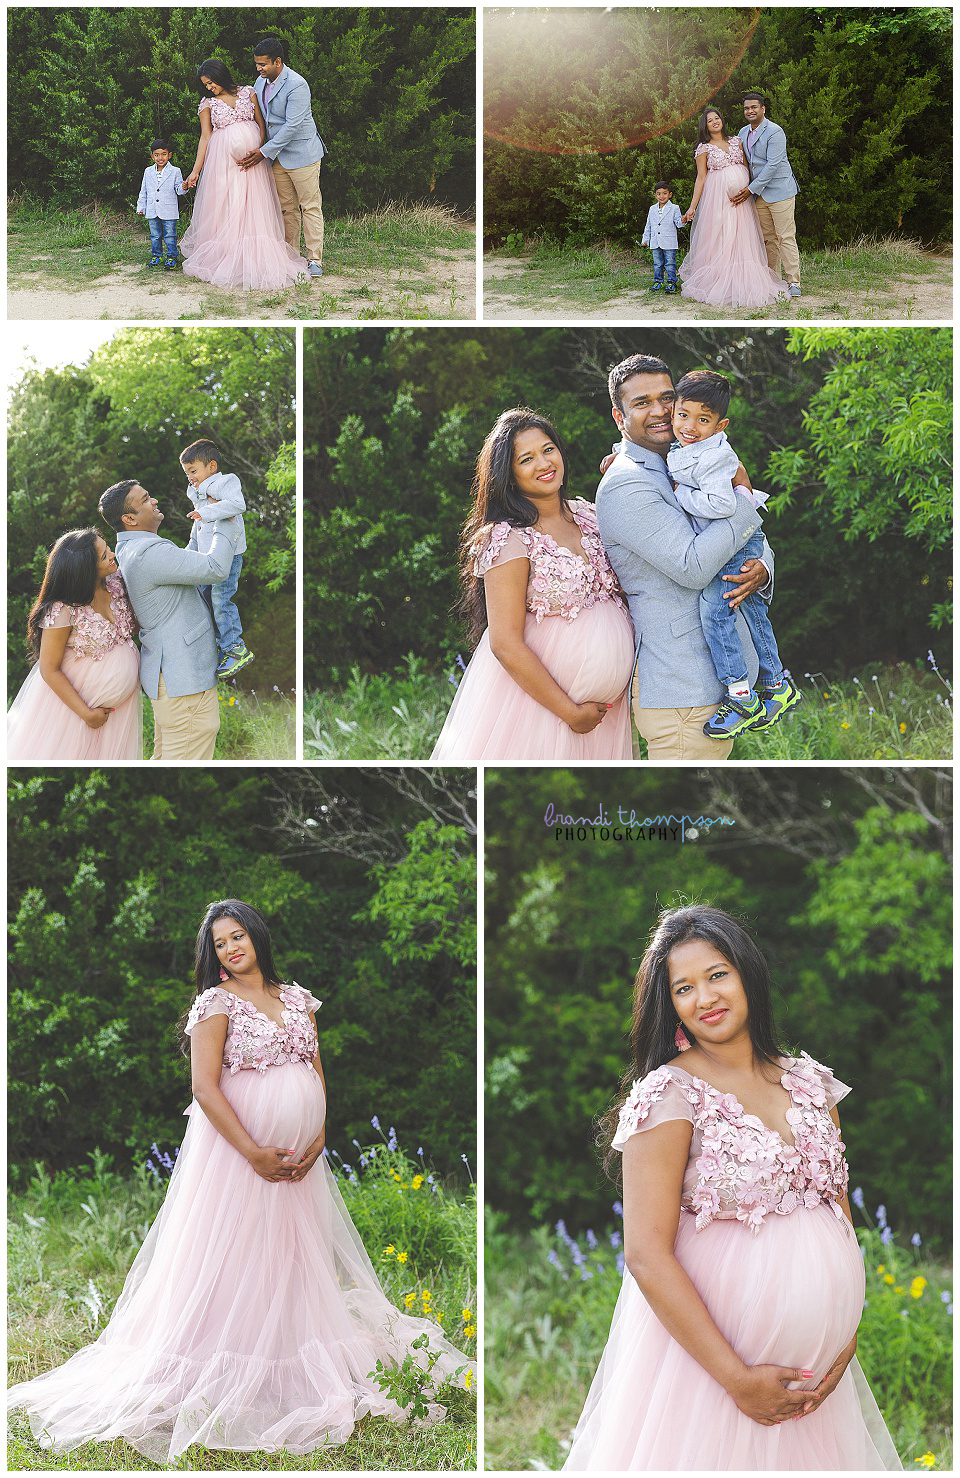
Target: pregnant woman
{"points": [[732, 1343], [251, 1319], [235, 238], [727, 261], [81, 700], [554, 652]]}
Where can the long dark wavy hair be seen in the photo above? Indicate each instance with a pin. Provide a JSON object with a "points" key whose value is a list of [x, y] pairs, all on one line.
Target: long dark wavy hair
{"points": [[497, 500], [654, 1018], [70, 576], [703, 132], [206, 966], [218, 72]]}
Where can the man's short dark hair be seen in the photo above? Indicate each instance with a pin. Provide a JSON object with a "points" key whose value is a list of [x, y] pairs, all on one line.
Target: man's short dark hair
{"points": [[113, 502], [637, 364], [757, 97], [270, 46], [160, 144], [662, 185], [707, 388], [201, 451]]}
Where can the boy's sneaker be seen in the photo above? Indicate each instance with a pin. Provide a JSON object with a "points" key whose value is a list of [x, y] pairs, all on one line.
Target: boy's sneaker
{"points": [[656, 287], [732, 717], [670, 288], [776, 701], [170, 264], [231, 662], [155, 262]]}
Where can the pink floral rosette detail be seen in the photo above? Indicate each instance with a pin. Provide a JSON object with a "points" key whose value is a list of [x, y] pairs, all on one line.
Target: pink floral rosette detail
{"points": [[253, 1039], [560, 582], [93, 635]]}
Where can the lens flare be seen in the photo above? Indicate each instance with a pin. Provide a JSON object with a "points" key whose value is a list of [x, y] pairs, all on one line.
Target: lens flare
{"points": [[559, 81]]}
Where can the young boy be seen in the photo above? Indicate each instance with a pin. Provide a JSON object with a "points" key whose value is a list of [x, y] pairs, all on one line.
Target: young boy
{"points": [[217, 494], [703, 465], [162, 183], [660, 234]]}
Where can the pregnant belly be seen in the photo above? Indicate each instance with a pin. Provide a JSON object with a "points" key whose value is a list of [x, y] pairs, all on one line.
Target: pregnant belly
{"points": [[590, 657], [239, 138], [283, 1106], [735, 177], [109, 681], [792, 1295]]}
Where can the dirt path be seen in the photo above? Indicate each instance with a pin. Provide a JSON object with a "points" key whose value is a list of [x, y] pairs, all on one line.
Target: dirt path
{"points": [[907, 296], [442, 284]]}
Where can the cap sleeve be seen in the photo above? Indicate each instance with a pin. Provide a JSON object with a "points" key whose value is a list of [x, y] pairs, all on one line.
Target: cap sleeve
{"points": [[59, 615], [310, 1002], [213, 1002], [809, 1081], [652, 1100], [700, 149], [204, 103], [497, 546]]}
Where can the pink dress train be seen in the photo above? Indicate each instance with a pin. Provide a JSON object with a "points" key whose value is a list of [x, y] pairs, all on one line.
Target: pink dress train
{"points": [[235, 238], [727, 261], [578, 626], [102, 662], [776, 1262], [252, 1317]]}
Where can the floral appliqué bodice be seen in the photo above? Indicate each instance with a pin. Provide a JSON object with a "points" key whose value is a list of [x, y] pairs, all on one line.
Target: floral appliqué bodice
{"points": [[92, 634], [253, 1039], [718, 158], [560, 582], [222, 115], [737, 1166]]}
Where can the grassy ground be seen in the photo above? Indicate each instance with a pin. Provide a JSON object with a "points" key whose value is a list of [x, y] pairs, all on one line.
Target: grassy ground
{"points": [[896, 713], [71, 1240], [867, 279], [545, 1323], [397, 262], [251, 727]]}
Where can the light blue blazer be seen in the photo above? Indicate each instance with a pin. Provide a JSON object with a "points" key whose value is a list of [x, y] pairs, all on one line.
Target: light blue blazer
{"points": [[662, 566], [177, 635], [292, 137], [770, 174]]}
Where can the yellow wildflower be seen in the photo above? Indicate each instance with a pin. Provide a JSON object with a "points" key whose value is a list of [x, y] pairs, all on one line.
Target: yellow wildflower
{"points": [[888, 1277], [903, 728], [844, 726], [468, 1382], [408, 1299], [897, 1288], [416, 1182], [389, 1251], [917, 1286], [469, 1330], [401, 1257], [880, 1268], [466, 1315], [927, 1461]]}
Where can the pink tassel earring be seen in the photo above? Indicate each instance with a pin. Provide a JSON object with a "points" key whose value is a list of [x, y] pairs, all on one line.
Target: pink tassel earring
{"points": [[224, 976], [681, 1040]]}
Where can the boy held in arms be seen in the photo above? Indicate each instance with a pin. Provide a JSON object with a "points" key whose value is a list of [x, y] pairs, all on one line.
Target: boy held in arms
{"points": [[703, 464], [162, 183], [660, 234], [215, 495]]}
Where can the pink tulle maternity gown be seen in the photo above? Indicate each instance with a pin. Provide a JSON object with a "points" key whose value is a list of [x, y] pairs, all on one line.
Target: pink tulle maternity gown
{"points": [[727, 261], [251, 1317], [102, 662], [235, 238], [578, 626], [777, 1264]]}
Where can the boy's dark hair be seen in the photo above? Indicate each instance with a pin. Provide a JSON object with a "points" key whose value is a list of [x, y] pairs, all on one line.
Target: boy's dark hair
{"points": [[201, 451], [662, 185], [758, 97], [707, 388], [160, 144], [114, 501], [637, 364], [270, 46]]}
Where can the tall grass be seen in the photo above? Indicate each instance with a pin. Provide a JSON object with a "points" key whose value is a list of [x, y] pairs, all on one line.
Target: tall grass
{"points": [[549, 1298], [393, 715], [71, 1239]]}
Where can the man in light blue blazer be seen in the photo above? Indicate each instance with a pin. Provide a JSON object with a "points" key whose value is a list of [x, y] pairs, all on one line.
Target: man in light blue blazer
{"points": [[294, 148], [663, 565], [178, 640], [773, 187]]}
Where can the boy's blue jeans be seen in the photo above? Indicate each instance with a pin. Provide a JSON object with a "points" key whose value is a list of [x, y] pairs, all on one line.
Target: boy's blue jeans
{"points": [[226, 617], [665, 256], [163, 233], [720, 626]]}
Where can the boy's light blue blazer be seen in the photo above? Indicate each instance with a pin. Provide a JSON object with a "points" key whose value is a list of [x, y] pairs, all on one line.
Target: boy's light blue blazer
{"points": [[770, 174], [662, 566], [292, 137], [177, 633], [661, 230]]}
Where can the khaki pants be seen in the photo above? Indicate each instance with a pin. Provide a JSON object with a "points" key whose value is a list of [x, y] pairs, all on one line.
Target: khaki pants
{"points": [[300, 199], [185, 728], [780, 237], [677, 733]]}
